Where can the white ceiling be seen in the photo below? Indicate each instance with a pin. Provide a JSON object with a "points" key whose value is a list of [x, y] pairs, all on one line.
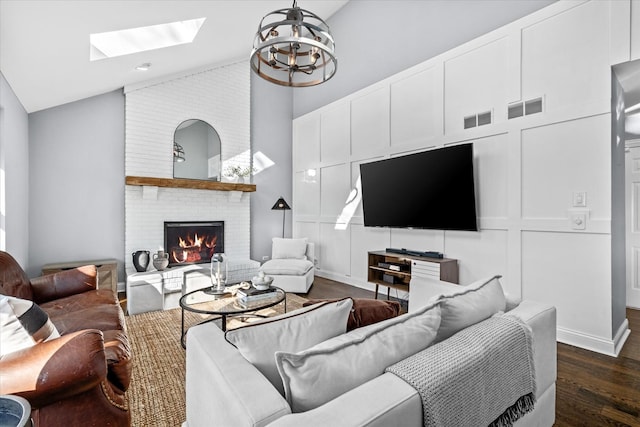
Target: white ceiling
{"points": [[44, 45]]}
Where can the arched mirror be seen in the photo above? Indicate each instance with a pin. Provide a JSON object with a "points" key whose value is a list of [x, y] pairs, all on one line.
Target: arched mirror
{"points": [[196, 151]]}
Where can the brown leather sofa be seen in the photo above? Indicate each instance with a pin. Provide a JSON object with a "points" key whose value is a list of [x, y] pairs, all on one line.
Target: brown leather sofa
{"points": [[81, 377]]}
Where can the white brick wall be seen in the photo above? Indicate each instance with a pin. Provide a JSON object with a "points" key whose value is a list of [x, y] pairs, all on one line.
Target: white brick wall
{"points": [[219, 96]]}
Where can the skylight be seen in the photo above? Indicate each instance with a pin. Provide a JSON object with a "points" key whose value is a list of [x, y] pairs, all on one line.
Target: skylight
{"points": [[134, 40]]}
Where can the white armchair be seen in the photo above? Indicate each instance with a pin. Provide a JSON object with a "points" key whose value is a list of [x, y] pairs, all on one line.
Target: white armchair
{"points": [[291, 264]]}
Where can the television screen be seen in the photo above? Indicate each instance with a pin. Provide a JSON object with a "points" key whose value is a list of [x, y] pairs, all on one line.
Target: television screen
{"points": [[431, 189]]}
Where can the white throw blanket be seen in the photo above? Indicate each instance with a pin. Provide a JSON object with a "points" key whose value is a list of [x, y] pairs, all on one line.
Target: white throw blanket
{"points": [[483, 375]]}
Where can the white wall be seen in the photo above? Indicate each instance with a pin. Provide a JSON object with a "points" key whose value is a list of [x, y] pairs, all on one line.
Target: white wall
{"points": [[76, 188], [527, 169], [14, 175], [221, 97]]}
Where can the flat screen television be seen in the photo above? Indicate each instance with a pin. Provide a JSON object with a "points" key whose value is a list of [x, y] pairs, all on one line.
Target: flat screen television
{"points": [[432, 189]]}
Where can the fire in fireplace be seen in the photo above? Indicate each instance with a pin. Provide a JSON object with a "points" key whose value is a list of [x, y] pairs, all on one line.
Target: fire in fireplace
{"points": [[193, 242]]}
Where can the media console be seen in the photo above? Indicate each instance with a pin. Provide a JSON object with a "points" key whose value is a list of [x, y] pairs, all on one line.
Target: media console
{"points": [[394, 270]]}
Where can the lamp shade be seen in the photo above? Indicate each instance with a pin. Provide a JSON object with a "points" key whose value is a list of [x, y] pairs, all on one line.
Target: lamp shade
{"points": [[281, 205]]}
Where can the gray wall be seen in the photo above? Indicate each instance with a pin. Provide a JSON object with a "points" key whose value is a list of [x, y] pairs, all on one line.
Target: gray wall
{"points": [[76, 191], [14, 161], [271, 115]]}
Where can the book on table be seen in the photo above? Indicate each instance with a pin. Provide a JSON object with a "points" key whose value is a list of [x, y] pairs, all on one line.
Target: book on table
{"points": [[256, 298], [254, 293]]}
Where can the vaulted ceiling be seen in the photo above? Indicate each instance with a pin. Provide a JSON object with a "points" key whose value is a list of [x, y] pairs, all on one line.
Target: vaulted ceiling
{"points": [[44, 45]]}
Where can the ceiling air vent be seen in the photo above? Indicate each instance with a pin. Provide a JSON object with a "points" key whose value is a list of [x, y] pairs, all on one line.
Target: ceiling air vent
{"points": [[515, 110], [533, 106]]}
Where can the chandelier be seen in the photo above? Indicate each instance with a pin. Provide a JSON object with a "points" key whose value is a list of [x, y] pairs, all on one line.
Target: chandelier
{"points": [[293, 47]]}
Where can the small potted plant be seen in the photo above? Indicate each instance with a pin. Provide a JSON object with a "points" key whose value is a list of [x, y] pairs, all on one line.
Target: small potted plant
{"points": [[237, 173]]}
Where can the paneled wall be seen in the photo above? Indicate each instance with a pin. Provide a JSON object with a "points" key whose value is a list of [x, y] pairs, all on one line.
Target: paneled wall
{"points": [[529, 169], [221, 97]]}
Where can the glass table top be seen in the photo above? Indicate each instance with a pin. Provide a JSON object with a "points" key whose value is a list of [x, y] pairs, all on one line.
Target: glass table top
{"points": [[205, 301]]}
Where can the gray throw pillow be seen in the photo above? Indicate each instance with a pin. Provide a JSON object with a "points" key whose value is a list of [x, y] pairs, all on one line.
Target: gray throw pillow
{"points": [[293, 331]]}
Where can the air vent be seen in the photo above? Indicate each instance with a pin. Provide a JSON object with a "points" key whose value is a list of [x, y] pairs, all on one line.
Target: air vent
{"points": [[484, 118], [533, 106], [515, 110], [519, 109], [470, 122]]}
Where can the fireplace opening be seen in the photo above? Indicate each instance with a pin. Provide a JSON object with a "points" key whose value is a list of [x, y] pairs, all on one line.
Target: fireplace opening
{"points": [[193, 242]]}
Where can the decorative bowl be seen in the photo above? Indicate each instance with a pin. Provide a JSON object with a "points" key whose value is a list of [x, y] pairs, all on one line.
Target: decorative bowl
{"points": [[262, 283]]}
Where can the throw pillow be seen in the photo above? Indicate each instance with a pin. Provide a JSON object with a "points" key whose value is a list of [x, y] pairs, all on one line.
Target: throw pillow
{"points": [[367, 311], [321, 373], [288, 248], [476, 302], [23, 324], [294, 331]]}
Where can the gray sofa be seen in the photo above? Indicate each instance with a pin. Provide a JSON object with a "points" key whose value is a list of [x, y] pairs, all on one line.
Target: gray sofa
{"points": [[228, 385]]}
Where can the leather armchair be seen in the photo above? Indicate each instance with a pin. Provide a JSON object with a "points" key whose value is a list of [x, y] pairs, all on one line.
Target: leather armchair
{"points": [[81, 377]]}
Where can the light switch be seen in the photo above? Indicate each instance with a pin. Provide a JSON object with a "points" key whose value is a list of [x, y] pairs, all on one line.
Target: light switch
{"points": [[580, 199]]}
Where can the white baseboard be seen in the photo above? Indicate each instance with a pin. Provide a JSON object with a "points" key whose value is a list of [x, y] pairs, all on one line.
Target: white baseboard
{"points": [[610, 347]]}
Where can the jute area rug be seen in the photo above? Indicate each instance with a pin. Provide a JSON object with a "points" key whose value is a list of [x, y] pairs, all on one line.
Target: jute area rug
{"points": [[157, 391]]}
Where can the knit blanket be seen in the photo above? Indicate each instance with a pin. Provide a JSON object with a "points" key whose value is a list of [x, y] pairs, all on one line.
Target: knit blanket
{"points": [[481, 376]]}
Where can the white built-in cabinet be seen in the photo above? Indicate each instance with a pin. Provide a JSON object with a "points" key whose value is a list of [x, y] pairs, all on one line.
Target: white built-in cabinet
{"points": [[530, 169]]}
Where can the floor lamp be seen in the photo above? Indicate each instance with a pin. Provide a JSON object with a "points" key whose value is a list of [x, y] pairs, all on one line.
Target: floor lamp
{"points": [[281, 205]]}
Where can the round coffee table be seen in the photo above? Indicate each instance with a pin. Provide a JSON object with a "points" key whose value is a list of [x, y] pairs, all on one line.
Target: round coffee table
{"points": [[204, 301]]}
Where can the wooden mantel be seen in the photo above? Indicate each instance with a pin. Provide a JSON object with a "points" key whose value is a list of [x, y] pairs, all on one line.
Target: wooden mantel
{"points": [[197, 184]]}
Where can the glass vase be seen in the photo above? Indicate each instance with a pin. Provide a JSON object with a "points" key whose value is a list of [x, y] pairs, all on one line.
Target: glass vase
{"points": [[218, 272]]}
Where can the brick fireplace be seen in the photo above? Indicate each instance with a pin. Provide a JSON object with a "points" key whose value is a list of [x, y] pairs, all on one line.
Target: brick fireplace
{"points": [[221, 97]]}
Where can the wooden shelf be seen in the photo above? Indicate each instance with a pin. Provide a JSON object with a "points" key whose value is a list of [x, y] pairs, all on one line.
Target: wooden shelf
{"points": [[197, 184], [438, 268]]}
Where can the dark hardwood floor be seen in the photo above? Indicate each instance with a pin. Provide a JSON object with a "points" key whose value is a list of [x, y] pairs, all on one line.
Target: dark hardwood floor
{"points": [[591, 389]]}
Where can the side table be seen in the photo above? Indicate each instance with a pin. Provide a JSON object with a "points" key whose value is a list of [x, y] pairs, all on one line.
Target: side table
{"points": [[107, 271]]}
